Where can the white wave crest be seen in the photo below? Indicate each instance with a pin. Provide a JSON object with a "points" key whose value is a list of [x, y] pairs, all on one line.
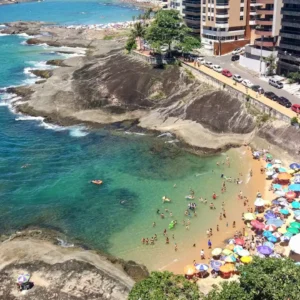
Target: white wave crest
{"points": [[3, 34], [78, 131], [29, 118], [64, 244], [134, 133]]}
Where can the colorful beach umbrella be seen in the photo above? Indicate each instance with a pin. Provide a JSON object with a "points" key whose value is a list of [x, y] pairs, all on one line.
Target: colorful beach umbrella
{"points": [[259, 202], [189, 270], [277, 186], [297, 178], [275, 202], [216, 252], [293, 230], [290, 195], [238, 248], [295, 225], [276, 210], [270, 227], [264, 250], [230, 259], [227, 252], [295, 205], [276, 222], [267, 233], [280, 193], [277, 234], [284, 238], [284, 211], [295, 243], [269, 244], [272, 239], [240, 242], [289, 234], [281, 199], [282, 170], [23, 278], [297, 217], [215, 264], [227, 268], [279, 249], [294, 166], [269, 166], [270, 215], [230, 246], [246, 259], [260, 255], [230, 241], [201, 267], [249, 216], [243, 252], [295, 187], [284, 176], [258, 225], [269, 156], [282, 230], [297, 212]]}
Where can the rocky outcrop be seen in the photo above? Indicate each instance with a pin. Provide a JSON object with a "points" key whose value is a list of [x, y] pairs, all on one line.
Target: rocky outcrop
{"points": [[30, 28], [62, 273], [56, 62], [42, 73]]}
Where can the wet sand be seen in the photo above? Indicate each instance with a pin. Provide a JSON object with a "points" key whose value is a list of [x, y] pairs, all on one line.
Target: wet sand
{"points": [[256, 183]]}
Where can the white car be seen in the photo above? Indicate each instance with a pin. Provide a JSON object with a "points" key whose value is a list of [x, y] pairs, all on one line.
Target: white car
{"points": [[209, 64], [201, 60], [237, 77], [217, 68], [237, 51], [247, 83]]}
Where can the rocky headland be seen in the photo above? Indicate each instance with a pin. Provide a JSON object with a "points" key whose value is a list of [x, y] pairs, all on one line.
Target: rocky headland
{"points": [[108, 86]]}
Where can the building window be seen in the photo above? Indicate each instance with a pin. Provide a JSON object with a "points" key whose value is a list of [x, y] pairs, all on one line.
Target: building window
{"points": [[208, 9], [212, 10], [212, 18], [242, 1], [203, 18], [208, 18], [204, 10], [241, 18], [241, 9]]}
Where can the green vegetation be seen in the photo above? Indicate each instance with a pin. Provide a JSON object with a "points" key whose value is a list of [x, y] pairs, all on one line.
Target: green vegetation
{"points": [[271, 64], [164, 286], [189, 74], [294, 121], [294, 77], [108, 37], [158, 95], [130, 44], [263, 279]]}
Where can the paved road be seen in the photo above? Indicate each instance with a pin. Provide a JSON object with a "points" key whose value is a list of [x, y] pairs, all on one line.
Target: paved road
{"points": [[234, 67]]}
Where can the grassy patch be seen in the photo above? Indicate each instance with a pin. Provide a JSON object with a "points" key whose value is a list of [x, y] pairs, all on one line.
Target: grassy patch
{"points": [[189, 74], [108, 37], [158, 95]]}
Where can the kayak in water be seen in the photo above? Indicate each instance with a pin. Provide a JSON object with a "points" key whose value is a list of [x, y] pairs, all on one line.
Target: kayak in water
{"points": [[97, 181]]}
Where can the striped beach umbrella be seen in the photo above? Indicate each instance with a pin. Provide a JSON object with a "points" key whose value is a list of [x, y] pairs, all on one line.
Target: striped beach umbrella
{"points": [[270, 227], [201, 267], [230, 259], [276, 222], [277, 234], [215, 264], [23, 278]]}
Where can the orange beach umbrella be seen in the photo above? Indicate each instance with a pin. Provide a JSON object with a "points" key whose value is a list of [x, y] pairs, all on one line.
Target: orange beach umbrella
{"points": [[284, 176], [189, 270], [227, 268]]}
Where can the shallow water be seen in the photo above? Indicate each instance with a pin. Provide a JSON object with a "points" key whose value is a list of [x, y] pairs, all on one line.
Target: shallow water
{"points": [[137, 170]]}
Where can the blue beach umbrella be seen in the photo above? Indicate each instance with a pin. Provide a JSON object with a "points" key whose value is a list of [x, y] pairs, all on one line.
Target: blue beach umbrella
{"points": [[201, 267], [267, 233], [288, 234], [285, 238], [276, 222], [269, 244], [277, 186], [295, 204], [237, 248], [297, 178], [284, 211], [272, 239], [215, 264], [295, 187], [294, 166], [264, 250], [297, 213], [269, 166], [275, 202], [282, 170], [270, 215]]}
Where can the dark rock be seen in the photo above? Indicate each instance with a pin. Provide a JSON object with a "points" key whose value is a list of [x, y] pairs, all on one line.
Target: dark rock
{"points": [[136, 271], [42, 73], [21, 91], [56, 62]]}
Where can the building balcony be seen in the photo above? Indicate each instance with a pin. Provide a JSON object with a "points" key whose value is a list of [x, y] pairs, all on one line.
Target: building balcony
{"points": [[191, 4], [253, 13], [252, 22], [222, 15], [223, 33], [192, 12], [290, 11], [262, 11], [192, 20], [290, 34], [265, 1], [261, 21], [264, 43], [290, 46], [196, 30], [222, 4], [254, 4], [221, 24], [289, 56], [263, 32]]}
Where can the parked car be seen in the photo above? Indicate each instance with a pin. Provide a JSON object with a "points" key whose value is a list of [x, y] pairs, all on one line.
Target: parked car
{"points": [[296, 108], [226, 73], [237, 77], [257, 88], [235, 57], [208, 64], [270, 95], [217, 68], [285, 102], [275, 83], [237, 51], [201, 60], [247, 83]]}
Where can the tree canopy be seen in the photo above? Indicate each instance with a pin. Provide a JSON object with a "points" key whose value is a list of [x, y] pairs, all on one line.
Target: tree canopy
{"points": [[167, 29], [263, 279], [164, 286]]}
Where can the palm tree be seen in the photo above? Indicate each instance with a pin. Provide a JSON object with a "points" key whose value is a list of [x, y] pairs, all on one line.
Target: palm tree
{"points": [[138, 31]]}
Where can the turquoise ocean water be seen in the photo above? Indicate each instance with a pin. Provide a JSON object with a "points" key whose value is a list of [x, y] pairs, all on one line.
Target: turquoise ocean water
{"points": [[55, 189]]}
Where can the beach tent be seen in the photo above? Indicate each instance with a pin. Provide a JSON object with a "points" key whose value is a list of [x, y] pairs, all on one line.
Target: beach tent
{"points": [[216, 252], [259, 202], [295, 243]]}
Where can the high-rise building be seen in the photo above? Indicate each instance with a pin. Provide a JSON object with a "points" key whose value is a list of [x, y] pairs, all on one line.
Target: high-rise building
{"points": [[192, 15], [289, 47], [223, 25], [264, 36]]}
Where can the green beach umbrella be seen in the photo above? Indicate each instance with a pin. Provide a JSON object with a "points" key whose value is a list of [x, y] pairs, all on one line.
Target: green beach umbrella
{"points": [[269, 156], [293, 230], [227, 252], [288, 234], [295, 225]]}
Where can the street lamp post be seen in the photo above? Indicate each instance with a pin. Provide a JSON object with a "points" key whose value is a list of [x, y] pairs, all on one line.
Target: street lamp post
{"points": [[261, 56]]}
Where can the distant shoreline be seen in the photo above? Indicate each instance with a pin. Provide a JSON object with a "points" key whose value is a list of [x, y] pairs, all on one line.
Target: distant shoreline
{"points": [[8, 2]]}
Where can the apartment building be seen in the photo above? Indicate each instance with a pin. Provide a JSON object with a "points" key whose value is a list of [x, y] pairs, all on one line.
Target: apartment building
{"points": [[264, 36], [223, 25], [289, 47]]}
